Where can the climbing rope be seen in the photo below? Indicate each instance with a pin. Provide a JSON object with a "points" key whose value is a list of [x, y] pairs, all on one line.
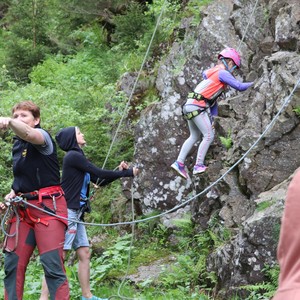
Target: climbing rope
{"points": [[114, 138], [284, 105], [269, 126], [7, 215], [130, 248], [282, 108], [251, 16], [135, 84], [133, 221]]}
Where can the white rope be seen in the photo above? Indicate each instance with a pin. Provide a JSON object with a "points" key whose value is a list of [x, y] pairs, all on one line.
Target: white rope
{"points": [[284, 105], [134, 86], [250, 19], [130, 248]]}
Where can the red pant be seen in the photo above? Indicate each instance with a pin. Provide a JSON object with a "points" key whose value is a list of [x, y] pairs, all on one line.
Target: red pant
{"points": [[49, 240]]}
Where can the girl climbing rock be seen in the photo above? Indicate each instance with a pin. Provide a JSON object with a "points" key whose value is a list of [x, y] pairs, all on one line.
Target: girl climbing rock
{"points": [[201, 107]]}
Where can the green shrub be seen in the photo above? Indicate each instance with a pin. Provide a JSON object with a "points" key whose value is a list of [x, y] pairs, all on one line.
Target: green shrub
{"points": [[297, 111], [131, 26], [226, 141], [266, 289]]}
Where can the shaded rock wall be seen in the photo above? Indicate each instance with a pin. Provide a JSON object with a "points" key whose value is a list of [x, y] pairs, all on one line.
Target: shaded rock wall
{"points": [[270, 56]]}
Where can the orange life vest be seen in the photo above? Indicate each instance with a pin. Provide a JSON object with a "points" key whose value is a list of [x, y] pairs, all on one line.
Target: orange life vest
{"points": [[211, 87]]}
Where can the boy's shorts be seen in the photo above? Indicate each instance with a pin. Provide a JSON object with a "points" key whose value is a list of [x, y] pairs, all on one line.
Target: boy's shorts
{"points": [[76, 233]]}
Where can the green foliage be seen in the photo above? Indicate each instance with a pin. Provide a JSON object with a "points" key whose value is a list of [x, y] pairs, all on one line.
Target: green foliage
{"points": [[264, 290], [183, 273], [189, 272], [146, 255], [28, 19], [72, 275], [161, 234], [5, 165], [184, 231], [297, 111], [219, 234], [170, 18], [227, 141], [96, 105], [193, 9], [112, 259], [131, 26], [5, 82], [149, 98], [265, 204], [22, 57], [155, 231], [32, 285], [101, 204], [26, 41], [148, 227]]}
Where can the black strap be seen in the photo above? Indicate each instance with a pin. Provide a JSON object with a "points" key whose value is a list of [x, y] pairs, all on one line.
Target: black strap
{"points": [[196, 96], [48, 209], [85, 208], [35, 196], [200, 97], [193, 114]]}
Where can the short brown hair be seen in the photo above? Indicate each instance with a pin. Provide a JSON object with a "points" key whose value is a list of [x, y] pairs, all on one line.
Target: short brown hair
{"points": [[28, 105]]}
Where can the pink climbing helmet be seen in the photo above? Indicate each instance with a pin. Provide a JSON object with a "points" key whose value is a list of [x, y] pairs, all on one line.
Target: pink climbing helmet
{"points": [[231, 53]]}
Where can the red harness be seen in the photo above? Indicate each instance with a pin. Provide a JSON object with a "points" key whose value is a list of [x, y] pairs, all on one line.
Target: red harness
{"points": [[51, 192]]}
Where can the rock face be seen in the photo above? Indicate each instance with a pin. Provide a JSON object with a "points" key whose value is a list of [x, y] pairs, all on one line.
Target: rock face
{"points": [[267, 34]]}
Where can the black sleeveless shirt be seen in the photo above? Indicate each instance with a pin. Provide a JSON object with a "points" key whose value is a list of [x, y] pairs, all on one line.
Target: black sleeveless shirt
{"points": [[33, 167]]}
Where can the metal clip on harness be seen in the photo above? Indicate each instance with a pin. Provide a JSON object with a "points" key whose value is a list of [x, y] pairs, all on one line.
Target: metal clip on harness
{"points": [[5, 222]]}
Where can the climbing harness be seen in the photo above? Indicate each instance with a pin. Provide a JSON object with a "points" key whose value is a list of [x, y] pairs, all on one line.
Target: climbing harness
{"points": [[18, 210], [196, 96], [197, 112], [6, 220], [50, 193], [192, 114], [40, 196], [200, 97]]}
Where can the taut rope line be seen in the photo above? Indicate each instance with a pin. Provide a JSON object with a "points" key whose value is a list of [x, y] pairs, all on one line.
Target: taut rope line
{"points": [[284, 105], [134, 86]]}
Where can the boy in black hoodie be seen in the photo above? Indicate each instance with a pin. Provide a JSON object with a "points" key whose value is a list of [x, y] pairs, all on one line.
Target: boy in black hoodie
{"points": [[77, 173]]}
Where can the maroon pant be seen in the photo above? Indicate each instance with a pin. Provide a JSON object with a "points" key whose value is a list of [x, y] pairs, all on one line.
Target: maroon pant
{"points": [[48, 235]]}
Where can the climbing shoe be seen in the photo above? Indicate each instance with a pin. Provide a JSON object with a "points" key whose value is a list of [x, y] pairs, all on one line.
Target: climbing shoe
{"points": [[93, 298], [180, 169], [199, 169]]}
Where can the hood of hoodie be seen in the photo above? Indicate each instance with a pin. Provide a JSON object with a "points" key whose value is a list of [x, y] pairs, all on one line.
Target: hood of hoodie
{"points": [[66, 139]]}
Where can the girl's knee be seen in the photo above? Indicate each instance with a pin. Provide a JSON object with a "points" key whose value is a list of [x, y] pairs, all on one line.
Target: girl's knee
{"points": [[194, 138], [209, 137]]}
